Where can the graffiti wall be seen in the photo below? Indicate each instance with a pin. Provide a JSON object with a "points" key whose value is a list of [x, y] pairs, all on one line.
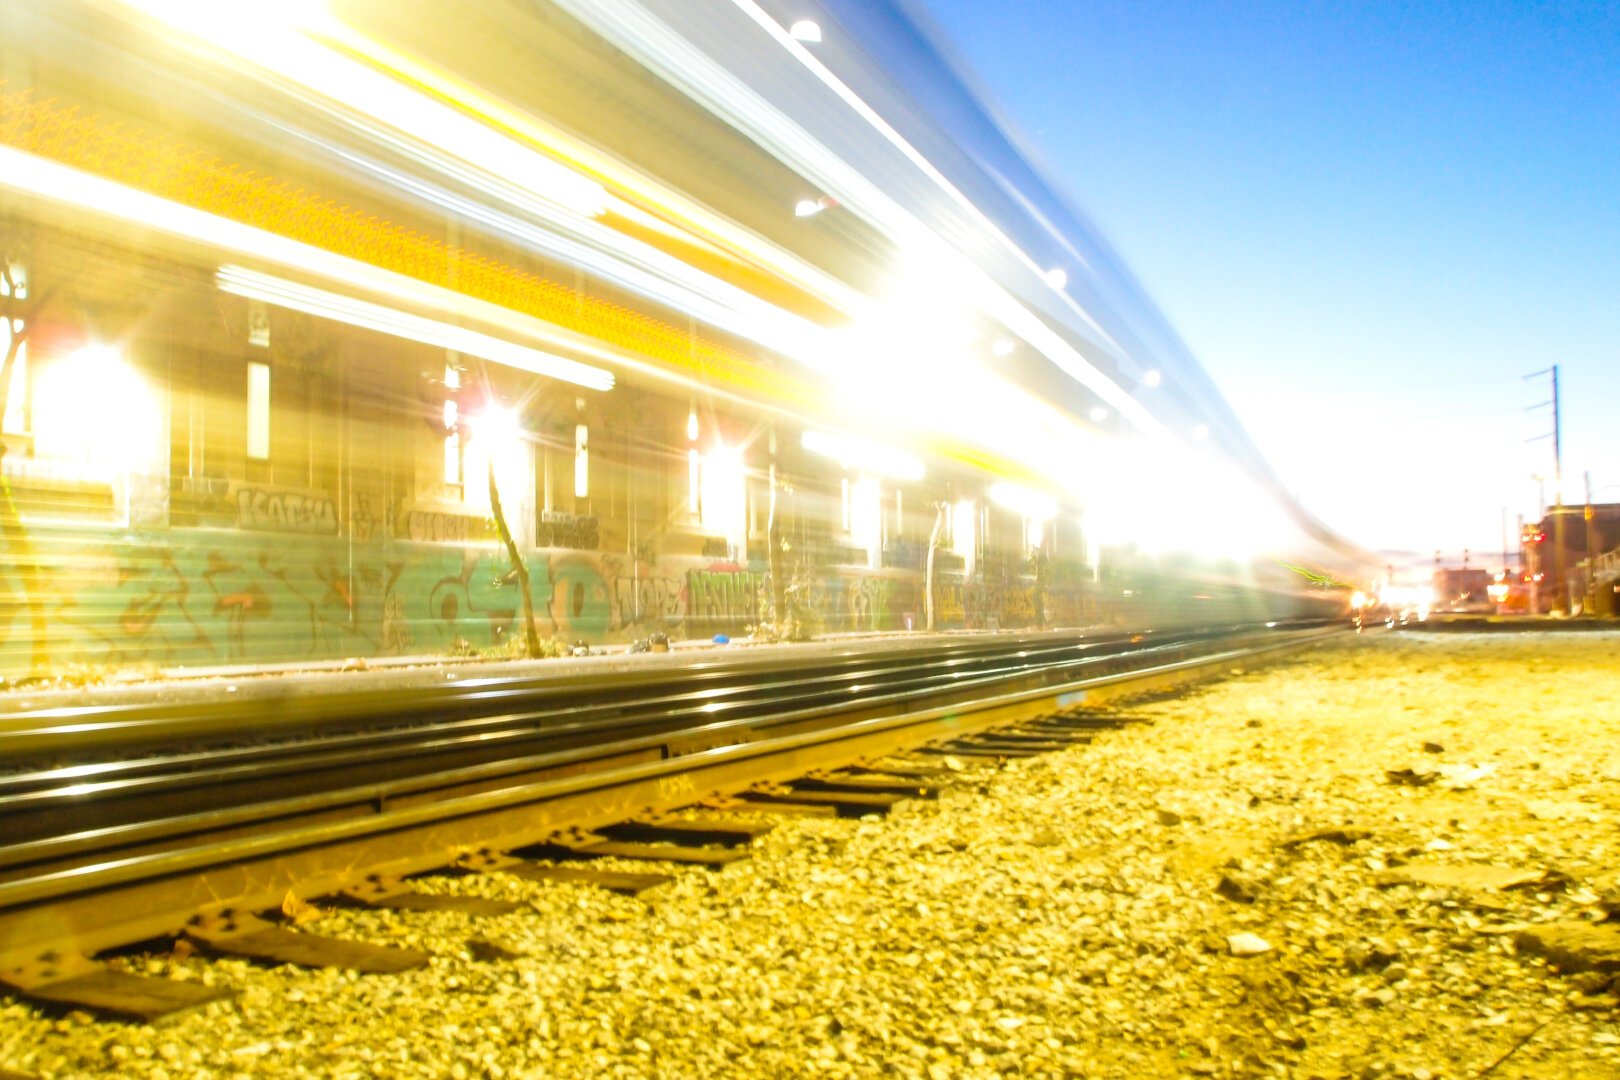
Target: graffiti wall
{"points": [[201, 597]]}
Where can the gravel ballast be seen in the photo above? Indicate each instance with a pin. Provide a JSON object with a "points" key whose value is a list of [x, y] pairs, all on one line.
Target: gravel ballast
{"points": [[1393, 856]]}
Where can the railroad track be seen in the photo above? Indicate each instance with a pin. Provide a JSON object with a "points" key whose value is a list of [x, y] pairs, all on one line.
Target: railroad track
{"points": [[159, 837]]}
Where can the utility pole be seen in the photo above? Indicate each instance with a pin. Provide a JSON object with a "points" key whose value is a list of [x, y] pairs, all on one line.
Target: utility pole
{"points": [[1559, 569], [1505, 566], [1591, 526], [1562, 594]]}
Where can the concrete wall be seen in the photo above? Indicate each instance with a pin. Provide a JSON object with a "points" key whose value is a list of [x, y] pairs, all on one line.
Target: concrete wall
{"points": [[108, 598]]}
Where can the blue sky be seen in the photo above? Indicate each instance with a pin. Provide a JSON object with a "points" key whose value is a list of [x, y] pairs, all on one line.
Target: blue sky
{"points": [[1368, 220]]}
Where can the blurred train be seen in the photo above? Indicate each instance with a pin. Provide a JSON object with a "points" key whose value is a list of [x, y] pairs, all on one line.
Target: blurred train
{"points": [[330, 328]]}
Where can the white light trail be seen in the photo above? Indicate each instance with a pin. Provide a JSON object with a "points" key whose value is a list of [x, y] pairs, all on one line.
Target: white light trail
{"points": [[727, 96], [385, 320], [279, 39], [48, 180], [863, 454]]}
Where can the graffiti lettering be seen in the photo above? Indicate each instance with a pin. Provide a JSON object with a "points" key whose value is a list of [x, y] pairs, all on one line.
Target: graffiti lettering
{"points": [[436, 527], [572, 531], [721, 599], [189, 596], [648, 600], [285, 511]]}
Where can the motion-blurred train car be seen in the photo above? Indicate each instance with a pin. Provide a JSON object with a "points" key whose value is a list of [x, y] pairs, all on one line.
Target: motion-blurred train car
{"points": [[321, 320]]}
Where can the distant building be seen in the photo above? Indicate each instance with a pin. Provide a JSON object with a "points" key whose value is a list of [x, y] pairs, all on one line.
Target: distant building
{"points": [[1571, 558], [1463, 590]]}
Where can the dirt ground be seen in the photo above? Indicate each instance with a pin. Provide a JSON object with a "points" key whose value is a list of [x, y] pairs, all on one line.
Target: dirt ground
{"points": [[1353, 863]]}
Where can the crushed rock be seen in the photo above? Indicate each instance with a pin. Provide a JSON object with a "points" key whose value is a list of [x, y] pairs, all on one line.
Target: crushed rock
{"points": [[1040, 919]]}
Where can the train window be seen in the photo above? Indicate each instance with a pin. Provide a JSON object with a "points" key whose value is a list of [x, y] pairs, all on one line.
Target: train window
{"points": [[452, 427], [16, 419], [724, 495], [866, 517], [582, 462], [964, 519], [452, 458], [14, 286], [258, 411], [694, 483]]}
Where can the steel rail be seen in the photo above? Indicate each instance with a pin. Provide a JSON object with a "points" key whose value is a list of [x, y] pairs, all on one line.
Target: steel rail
{"points": [[27, 856], [77, 800], [97, 906], [81, 732]]}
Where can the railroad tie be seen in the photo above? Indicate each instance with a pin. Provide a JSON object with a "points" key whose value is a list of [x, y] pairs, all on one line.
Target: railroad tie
{"points": [[783, 808], [581, 845], [911, 770], [392, 895], [624, 882], [239, 934], [1021, 741], [870, 783], [843, 803], [79, 982], [726, 832], [978, 750]]}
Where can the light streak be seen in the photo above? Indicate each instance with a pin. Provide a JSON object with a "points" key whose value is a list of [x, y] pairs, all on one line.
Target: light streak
{"points": [[1035, 505], [863, 454], [385, 320], [710, 227], [60, 184], [276, 38], [637, 267], [727, 96]]}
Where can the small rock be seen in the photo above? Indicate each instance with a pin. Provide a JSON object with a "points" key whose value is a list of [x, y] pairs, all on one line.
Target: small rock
{"points": [[1594, 1002], [1247, 944], [1574, 946], [1348, 834], [1412, 777], [1433, 748], [1459, 877], [1592, 982], [1237, 889], [1369, 955], [1168, 817], [486, 951]]}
